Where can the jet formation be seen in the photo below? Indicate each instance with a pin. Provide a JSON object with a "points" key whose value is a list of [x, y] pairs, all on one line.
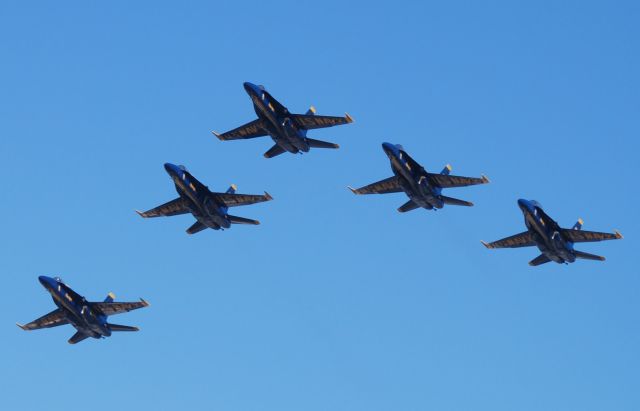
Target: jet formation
{"points": [[210, 209], [555, 243], [88, 318], [289, 133], [424, 189], [288, 130]]}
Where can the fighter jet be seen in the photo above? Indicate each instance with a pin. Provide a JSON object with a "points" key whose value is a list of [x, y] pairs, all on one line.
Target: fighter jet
{"points": [[89, 318], [555, 243], [288, 131], [423, 188], [209, 208]]}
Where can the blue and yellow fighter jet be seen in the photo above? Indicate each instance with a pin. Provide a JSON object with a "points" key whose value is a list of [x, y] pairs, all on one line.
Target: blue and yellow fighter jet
{"points": [[288, 131], [89, 318], [209, 208], [423, 188], [555, 243]]}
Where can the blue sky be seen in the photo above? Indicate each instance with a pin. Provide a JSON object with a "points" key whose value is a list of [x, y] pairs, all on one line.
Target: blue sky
{"points": [[335, 302]]}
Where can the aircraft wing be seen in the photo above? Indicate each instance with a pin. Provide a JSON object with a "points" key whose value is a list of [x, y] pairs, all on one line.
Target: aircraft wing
{"points": [[311, 121], [173, 207], [519, 240], [580, 236], [448, 181], [234, 200], [250, 130], [119, 308], [388, 185], [53, 319]]}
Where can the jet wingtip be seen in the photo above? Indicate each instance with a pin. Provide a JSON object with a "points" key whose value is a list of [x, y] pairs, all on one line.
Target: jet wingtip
{"points": [[22, 326], [353, 190], [268, 196], [218, 135], [141, 214], [486, 244], [485, 179], [144, 302], [348, 118], [618, 235]]}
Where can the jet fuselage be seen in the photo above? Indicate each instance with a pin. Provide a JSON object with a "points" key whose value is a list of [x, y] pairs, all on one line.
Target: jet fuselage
{"points": [[277, 121], [547, 233], [76, 308], [413, 178], [202, 203]]}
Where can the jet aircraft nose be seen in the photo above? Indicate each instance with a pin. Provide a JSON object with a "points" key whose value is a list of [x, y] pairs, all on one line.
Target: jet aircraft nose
{"points": [[251, 88], [390, 149], [172, 169], [47, 282], [525, 204]]}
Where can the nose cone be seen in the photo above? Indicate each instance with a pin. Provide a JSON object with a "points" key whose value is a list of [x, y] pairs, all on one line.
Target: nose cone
{"points": [[390, 149], [172, 169], [47, 282], [525, 205], [251, 88]]}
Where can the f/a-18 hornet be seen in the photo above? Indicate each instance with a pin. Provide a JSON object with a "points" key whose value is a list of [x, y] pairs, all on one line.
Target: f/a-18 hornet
{"points": [[555, 243], [89, 318], [423, 188], [209, 208], [288, 130]]}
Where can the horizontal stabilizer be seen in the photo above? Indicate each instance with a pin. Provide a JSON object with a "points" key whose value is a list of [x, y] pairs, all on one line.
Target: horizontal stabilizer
{"points": [[321, 144], [77, 337], [455, 201], [276, 150], [196, 228], [541, 259], [117, 327], [241, 220], [408, 206], [587, 256]]}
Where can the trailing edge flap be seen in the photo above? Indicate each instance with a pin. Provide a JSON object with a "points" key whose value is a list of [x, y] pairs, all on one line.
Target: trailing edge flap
{"points": [[524, 239], [321, 144], [250, 130], [171, 208], [581, 236], [196, 228], [276, 150], [408, 206], [310, 122], [77, 337], [541, 259], [388, 185], [455, 201], [241, 220], [449, 181]]}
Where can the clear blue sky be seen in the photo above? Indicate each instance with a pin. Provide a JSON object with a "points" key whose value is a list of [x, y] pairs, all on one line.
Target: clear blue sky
{"points": [[335, 302]]}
